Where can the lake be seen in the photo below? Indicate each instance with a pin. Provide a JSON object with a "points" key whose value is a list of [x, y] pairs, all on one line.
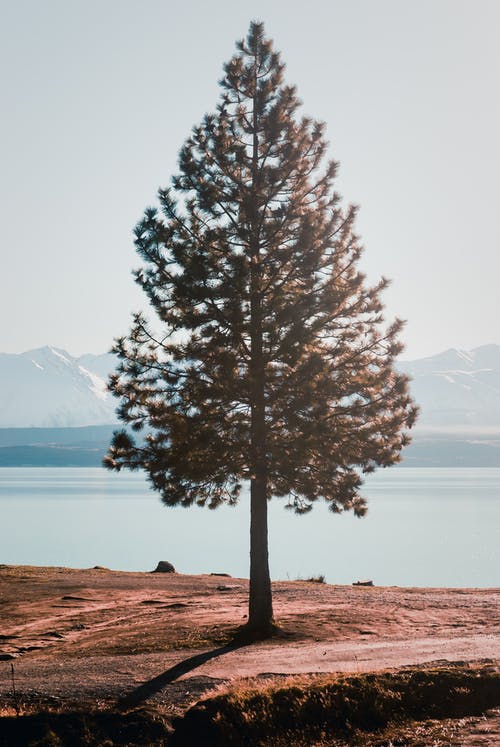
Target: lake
{"points": [[425, 527]]}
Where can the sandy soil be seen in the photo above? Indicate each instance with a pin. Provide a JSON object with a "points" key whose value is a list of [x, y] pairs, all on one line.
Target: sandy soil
{"points": [[77, 636]]}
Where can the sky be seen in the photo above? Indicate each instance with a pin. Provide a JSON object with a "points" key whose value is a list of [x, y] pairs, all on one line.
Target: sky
{"points": [[98, 97]]}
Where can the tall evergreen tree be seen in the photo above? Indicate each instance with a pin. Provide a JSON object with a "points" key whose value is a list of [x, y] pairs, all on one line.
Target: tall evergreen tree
{"points": [[272, 364]]}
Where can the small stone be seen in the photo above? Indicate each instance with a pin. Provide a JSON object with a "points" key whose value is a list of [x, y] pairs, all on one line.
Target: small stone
{"points": [[164, 567]]}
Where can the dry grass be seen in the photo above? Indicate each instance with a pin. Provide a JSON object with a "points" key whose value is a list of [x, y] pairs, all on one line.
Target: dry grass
{"points": [[333, 710], [410, 708], [85, 729]]}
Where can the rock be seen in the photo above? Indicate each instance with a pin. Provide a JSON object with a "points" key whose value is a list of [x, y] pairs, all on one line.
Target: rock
{"points": [[363, 583], [164, 567], [7, 657], [227, 575]]}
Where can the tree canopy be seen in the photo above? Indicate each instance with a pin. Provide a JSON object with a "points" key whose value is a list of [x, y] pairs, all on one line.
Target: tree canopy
{"points": [[269, 360]]}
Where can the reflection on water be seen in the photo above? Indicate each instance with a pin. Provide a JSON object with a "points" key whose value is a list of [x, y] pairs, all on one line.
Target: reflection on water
{"points": [[425, 527]]}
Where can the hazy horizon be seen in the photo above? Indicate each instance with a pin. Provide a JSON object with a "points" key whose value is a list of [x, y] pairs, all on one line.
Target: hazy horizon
{"points": [[98, 99]]}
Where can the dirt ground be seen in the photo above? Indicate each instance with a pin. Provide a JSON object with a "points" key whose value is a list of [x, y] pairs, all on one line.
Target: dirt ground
{"points": [[98, 636]]}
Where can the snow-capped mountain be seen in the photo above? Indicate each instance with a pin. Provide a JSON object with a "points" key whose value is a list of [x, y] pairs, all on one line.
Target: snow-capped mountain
{"points": [[47, 387], [102, 365], [458, 388]]}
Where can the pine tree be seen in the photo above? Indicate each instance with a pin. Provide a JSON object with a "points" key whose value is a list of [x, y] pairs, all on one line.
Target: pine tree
{"points": [[272, 364]]}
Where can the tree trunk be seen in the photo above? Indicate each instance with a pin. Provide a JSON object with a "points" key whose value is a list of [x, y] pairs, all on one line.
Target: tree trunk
{"points": [[260, 611]]}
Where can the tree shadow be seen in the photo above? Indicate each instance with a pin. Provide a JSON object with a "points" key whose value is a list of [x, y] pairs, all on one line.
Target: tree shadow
{"points": [[151, 687]]}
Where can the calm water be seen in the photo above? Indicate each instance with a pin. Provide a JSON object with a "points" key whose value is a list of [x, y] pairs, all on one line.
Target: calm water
{"points": [[425, 527]]}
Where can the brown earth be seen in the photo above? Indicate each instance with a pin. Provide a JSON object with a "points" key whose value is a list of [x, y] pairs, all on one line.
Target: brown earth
{"points": [[94, 637]]}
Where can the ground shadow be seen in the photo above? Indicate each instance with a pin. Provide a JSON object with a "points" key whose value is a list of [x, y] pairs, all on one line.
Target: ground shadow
{"points": [[151, 687]]}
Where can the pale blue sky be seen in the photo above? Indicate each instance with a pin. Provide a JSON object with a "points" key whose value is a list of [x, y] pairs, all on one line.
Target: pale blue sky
{"points": [[98, 96]]}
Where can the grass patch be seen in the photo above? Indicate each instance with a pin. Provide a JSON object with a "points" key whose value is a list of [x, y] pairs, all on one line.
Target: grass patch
{"points": [[203, 638], [84, 729], [319, 579], [315, 710]]}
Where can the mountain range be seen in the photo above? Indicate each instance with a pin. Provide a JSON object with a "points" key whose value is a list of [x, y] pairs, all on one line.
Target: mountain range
{"points": [[53, 402], [458, 388], [47, 388]]}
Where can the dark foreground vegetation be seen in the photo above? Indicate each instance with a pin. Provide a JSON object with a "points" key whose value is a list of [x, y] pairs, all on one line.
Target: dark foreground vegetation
{"points": [[369, 709]]}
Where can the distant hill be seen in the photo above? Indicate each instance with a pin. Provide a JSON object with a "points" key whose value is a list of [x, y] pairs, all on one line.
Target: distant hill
{"points": [[85, 447], [55, 447], [50, 456]]}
